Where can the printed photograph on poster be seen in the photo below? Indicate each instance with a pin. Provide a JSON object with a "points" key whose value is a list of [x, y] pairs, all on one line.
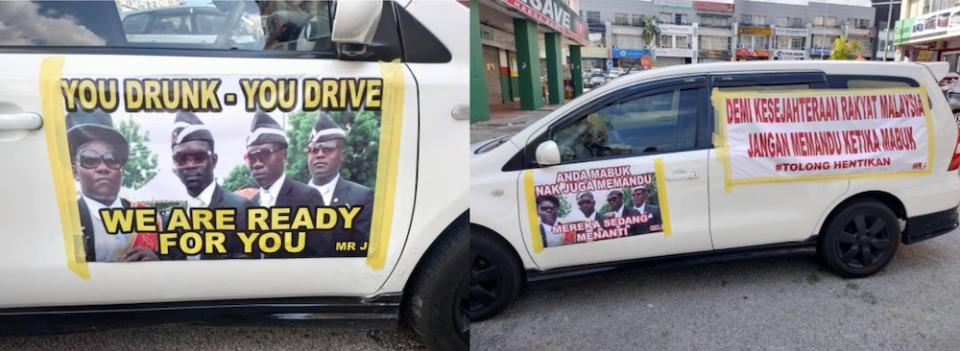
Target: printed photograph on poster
{"points": [[818, 134], [581, 206], [196, 168]]}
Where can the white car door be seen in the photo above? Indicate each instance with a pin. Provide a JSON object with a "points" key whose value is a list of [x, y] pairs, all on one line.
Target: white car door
{"points": [[759, 214], [68, 54], [632, 182]]}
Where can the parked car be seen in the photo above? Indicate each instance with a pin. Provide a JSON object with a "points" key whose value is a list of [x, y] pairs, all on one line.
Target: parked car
{"points": [[643, 170], [215, 147], [595, 80]]}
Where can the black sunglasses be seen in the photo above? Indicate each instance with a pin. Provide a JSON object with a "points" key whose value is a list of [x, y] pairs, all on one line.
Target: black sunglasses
{"points": [[90, 159]]}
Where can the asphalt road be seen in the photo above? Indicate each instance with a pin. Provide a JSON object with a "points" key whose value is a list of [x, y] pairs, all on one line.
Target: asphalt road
{"points": [[220, 338], [779, 303]]}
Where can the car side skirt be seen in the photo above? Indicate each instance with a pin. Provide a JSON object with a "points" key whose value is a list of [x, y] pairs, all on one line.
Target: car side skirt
{"points": [[340, 312], [802, 247]]}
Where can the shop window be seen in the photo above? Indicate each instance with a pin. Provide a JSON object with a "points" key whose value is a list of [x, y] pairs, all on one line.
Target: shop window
{"points": [[620, 19]]}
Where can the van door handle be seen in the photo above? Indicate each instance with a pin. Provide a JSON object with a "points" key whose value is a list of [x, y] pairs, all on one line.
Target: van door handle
{"points": [[682, 175], [20, 121]]}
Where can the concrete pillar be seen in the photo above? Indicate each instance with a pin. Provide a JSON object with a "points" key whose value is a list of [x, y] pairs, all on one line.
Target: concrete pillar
{"points": [[734, 41], [695, 44], [576, 70], [554, 68], [479, 102], [514, 76], [506, 96], [528, 60]]}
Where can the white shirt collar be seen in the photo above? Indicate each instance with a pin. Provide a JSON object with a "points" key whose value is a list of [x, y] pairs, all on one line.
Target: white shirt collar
{"points": [[94, 206], [620, 211], [326, 190], [203, 200], [273, 191], [641, 207]]}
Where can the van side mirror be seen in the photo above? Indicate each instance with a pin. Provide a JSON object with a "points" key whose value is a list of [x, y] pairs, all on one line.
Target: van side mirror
{"points": [[354, 24], [548, 153]]}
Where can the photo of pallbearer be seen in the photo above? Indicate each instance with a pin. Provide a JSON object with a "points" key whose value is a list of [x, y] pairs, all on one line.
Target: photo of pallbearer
{"points": [[611, 203], [325, 153], [194, 159], [98, 154]]}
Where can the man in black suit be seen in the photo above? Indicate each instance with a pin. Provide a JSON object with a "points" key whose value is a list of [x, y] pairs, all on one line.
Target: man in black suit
{"points": [[325, 152], [652, 212], [98, 153], [266, 156], [586, 209], [548, 209], [618, 210], [194, 160]]}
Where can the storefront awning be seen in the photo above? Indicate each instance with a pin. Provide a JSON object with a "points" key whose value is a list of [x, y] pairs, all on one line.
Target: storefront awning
{"points": [[553, 14]]}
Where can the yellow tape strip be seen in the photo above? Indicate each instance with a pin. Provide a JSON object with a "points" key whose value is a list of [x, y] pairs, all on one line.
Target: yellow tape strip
{"points": [[723, 150], [530, 194], [720, 139], [388, 159], [929, 117], [662, 195], [58, 153]]}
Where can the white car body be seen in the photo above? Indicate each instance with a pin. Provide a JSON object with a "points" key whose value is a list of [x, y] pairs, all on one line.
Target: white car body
{"points": [[705, 217], [429, 200]]}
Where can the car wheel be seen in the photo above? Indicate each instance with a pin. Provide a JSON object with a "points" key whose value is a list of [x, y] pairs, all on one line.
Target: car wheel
{"points": [[496, 276], [860, 240], [437, 297]]}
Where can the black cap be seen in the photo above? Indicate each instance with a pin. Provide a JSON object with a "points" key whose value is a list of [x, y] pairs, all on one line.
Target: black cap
{"points": [[326, 129], [84, 127], [264, 129], [188, 127]]}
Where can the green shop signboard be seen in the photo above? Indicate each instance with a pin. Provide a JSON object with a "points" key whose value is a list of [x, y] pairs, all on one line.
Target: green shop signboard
{"points": [[902, 30]]}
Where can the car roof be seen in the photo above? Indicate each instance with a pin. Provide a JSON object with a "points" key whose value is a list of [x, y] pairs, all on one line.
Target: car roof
{"points": [[831, 67]]}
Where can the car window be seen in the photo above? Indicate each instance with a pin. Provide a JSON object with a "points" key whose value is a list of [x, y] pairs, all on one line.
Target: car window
{"points": [[207, 23], [869, 82], [237, 28], [173, 23], [873, 84], [135, 24], [766, 87], [661, 121]]}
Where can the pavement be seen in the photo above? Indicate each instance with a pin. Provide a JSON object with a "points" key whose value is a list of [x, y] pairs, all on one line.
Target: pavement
{"points": [[220, 338], [506, 121], [779, 303]]}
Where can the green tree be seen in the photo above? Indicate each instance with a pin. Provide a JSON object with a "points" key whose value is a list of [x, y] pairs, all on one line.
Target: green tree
{"points": [[844, 50], [239, 178], [361, 150], [298, 132], [141, 165], [649, 30], [564, 206]]}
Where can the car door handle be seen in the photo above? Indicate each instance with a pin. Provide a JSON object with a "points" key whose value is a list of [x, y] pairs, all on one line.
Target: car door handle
{"points": [[682, 175], [20, 121]]}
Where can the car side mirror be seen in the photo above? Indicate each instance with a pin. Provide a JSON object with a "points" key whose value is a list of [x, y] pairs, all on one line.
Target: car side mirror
{"points": [[354, 24], [548, 153]]}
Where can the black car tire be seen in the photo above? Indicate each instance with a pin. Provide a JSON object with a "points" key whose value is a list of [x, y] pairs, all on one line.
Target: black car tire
{"points": [[860, 240], [497, 276], [436, 305]]}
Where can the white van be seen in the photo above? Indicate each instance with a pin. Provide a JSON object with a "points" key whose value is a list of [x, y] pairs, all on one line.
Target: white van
{"points": [[304, 164], [847, 158]]}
